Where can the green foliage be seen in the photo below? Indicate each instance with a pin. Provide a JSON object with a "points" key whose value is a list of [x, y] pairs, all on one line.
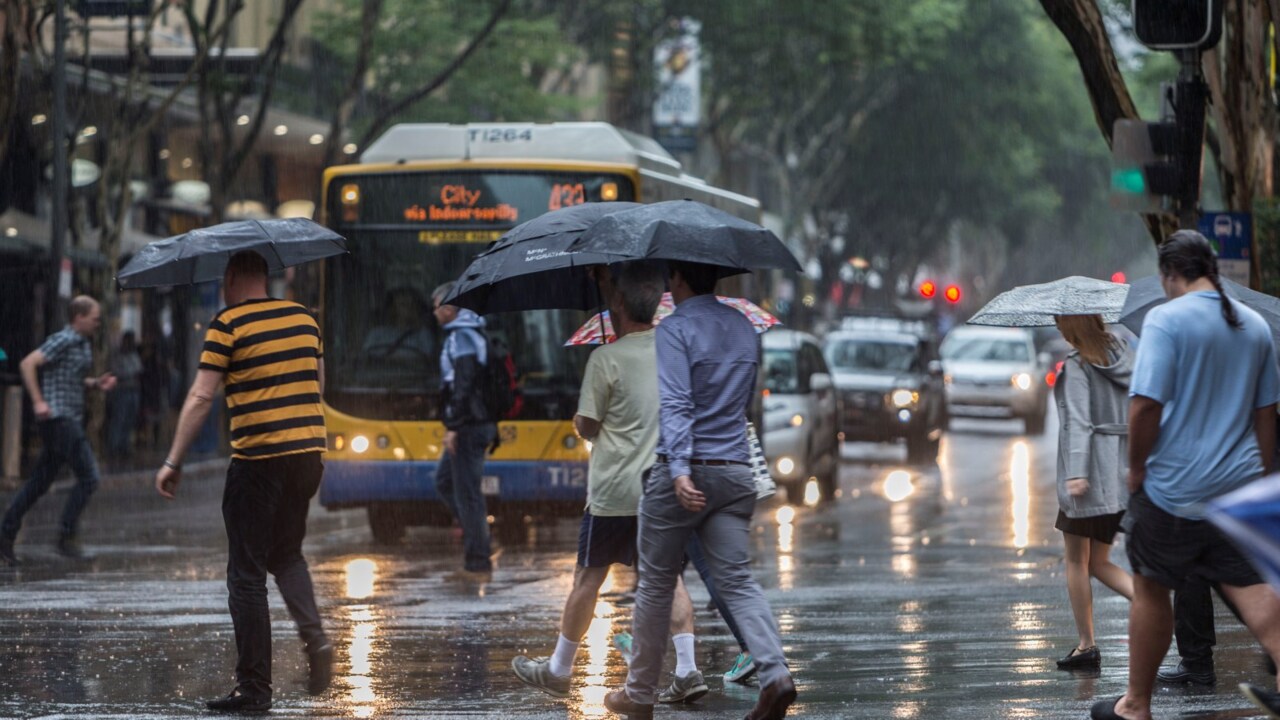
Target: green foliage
{"points": [[417, 39]]}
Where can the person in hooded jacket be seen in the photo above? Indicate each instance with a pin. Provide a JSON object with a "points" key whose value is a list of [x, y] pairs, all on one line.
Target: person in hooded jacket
{"points": [[1092, 394], [470, 428]]}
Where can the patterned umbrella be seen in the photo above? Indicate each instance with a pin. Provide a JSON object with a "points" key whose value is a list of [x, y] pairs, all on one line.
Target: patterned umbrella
{"points": [[590, 334], [1035, 305]]}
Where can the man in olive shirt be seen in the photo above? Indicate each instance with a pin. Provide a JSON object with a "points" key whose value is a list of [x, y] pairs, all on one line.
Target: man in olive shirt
{"points": [[268, 352]]}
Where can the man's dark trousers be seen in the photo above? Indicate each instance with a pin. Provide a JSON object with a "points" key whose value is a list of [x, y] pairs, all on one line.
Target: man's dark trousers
{"points": [[458, 483], [63, 441], [265, 508]]}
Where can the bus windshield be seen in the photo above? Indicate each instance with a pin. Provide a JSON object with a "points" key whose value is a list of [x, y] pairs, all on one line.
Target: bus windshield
{"points": [[382, 342]]}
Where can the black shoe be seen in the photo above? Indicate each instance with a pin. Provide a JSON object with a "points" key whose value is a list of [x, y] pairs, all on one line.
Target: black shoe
{"points": [[1268, 701], [7, 556], [320, 662], [69, 546], [1077, 659], [240, 704], [619, 702], [1183, 675]]}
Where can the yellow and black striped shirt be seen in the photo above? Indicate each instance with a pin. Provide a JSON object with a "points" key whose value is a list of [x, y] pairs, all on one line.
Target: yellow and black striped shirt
{"points": [[269, 351]]}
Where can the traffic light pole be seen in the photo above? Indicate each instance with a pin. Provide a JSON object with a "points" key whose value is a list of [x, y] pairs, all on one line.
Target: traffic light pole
{"points": [[58, 213], [1191, 98]]}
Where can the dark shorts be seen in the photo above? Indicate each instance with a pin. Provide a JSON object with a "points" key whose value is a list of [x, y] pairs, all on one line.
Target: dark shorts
{"points": [[1102, 528], [1169, 549], [604, 541]]}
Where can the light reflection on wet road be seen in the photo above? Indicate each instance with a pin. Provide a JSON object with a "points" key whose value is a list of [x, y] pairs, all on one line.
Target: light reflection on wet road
{"points": [[946, 600]]}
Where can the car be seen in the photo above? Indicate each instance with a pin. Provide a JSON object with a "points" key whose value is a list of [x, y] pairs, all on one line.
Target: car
{"points": [[890, 380], [801, 438], [996, 373]]}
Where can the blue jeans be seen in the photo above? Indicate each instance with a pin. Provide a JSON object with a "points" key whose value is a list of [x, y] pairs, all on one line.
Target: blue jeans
{"points": [[63, 441], [458, 484], [124, 416]]}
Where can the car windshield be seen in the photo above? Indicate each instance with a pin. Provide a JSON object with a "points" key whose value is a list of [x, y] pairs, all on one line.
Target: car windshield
{"points": [[872, 356], [985, 349], [780, 372]]}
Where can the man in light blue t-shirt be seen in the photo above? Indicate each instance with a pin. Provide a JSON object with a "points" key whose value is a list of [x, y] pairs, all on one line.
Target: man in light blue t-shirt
{"points": [[1201, 423]]}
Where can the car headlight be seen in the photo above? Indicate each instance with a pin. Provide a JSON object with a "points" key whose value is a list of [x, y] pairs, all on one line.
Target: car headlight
{"points": [[797, 420], [1022, 381], [786, 465], [904, 398]]}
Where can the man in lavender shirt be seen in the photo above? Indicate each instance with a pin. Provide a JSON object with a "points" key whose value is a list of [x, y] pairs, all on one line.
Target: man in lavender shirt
{"points": [[708, 355]]}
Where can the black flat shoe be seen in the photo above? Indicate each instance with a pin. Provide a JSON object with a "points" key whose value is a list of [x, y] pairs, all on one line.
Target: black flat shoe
{"points": [[1106, 710], [239, 704], [1089, 657]]}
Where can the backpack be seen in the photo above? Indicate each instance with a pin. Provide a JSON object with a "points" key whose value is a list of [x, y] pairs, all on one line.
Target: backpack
{"points": [[499, 386]]}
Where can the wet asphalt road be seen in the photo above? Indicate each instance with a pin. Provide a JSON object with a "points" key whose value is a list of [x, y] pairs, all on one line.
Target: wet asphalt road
{"points": [[948, 602]]}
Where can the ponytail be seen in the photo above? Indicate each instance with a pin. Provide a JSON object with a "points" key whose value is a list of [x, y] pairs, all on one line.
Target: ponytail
{"points": [[1228, 310], [1189, 255]]}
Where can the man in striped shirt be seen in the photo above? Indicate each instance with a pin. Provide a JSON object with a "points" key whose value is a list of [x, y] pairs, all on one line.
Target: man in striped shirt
{"points": [[269, 354]]}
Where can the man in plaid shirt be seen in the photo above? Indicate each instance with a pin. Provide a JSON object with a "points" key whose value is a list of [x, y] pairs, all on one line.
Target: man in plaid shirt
{"points": [[56, 376]]}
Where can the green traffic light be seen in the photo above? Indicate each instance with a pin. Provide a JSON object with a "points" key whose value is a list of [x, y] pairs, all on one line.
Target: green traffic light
{"points": [[1128, 180]]}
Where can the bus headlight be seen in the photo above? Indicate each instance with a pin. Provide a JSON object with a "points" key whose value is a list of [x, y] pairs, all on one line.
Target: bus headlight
{"points": [[1022, 381], [339, 442], [359, 444], [383, 442], [904, 398]]}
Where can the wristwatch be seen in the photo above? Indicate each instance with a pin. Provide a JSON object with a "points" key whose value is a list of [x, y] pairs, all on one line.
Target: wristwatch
{"points": [[172, 465]]}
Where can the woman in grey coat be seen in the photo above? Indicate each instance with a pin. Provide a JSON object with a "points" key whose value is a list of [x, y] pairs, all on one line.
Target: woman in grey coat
{"points": [[1092, 393]]}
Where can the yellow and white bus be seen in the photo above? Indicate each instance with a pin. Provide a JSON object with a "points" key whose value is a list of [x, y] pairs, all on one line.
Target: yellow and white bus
{"points": [[422, 203]]}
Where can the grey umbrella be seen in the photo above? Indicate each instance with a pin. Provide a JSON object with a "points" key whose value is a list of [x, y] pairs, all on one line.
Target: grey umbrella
{"points": [[201, 255], [1147, 293], [689, 231], [1036, 305]]}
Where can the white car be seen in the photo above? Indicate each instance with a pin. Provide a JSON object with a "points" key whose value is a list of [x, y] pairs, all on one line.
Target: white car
{"points": [[995, 373], [801, 407]]}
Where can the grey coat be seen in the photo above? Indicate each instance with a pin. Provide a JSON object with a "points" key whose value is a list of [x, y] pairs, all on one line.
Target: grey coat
{"points": [[1093, 432]]}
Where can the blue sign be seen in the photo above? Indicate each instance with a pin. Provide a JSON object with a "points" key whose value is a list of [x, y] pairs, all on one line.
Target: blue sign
{"points": [[1232, 238]]}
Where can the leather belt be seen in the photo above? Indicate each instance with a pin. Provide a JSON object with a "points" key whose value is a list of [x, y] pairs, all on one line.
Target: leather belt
{"points": [[710, 463]]}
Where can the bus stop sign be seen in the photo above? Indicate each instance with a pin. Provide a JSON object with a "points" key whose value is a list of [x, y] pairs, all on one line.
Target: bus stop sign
{"points": [[1232, 237]]}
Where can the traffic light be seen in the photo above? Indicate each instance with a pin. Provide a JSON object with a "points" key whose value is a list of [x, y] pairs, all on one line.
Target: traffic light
{"points": [[1178, 24], [928, 289], [1119, 277], [952, 294], [1153, 161]]}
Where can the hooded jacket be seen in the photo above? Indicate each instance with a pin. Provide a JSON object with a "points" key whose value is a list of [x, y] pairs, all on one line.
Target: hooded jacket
{"points": [[1093, 432], [462, 361]]}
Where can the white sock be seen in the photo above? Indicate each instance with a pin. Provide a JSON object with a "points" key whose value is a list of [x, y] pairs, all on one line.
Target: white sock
{"points": [[562, 660], [686, 665]]}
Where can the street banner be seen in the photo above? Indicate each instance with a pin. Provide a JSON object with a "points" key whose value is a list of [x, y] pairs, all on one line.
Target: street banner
{"points": [[677, 111]]}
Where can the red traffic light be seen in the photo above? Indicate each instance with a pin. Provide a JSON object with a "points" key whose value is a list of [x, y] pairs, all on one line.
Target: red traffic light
{"points": [[928, 289], [952, 294], [1118, 277]]}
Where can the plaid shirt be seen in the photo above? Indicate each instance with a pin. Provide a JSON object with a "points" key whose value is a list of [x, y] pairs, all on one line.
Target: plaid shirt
{"points": [[68, 358]]}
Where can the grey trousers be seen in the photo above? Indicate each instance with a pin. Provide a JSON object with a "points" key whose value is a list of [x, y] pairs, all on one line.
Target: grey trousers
{"points": [[724, 528]]}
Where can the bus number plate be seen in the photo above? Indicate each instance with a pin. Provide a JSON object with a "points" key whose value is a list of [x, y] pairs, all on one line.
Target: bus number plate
{"points": [[490, 485]]}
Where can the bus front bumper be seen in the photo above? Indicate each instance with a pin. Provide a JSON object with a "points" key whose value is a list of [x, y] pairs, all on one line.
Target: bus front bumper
{"points": [[359, 483]]}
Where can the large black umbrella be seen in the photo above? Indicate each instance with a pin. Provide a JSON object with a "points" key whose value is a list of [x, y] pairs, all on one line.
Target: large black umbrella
{"points": [[1147, 293], [201, 255], [531, 268], [689, 231]]}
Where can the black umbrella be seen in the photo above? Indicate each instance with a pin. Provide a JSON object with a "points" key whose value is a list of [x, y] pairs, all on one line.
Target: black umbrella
{"points": [[531, 268], [689, 231], [1147, 293], [201, 255]]}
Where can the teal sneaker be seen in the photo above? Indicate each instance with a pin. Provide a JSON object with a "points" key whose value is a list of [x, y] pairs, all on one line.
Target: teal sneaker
{"points": [[536, 672], [622, 641], [743, 668], [684, 689]]}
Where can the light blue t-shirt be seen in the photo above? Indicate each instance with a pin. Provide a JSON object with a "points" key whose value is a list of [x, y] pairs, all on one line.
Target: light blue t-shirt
{"points": [[1210, 378]]}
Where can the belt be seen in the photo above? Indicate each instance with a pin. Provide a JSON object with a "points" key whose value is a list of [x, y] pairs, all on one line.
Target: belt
{"points": [[710, 463]]}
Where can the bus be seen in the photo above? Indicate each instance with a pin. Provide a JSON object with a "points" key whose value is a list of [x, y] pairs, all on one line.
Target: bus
{"points": [[423, 201]]}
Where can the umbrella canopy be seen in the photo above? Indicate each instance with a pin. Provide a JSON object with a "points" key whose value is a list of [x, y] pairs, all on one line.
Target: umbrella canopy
{"points": [[1147, 293], [1036, 305], [688, 231], [531, 268], [591, 332], [1250, 516], [201, 255]]}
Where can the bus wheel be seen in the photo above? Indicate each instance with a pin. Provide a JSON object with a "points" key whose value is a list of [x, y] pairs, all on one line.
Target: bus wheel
{"points": [[387, 523]]}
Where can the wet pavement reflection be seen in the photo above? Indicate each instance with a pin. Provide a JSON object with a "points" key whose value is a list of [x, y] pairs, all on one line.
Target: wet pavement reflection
{"points": [[919, 591]]}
